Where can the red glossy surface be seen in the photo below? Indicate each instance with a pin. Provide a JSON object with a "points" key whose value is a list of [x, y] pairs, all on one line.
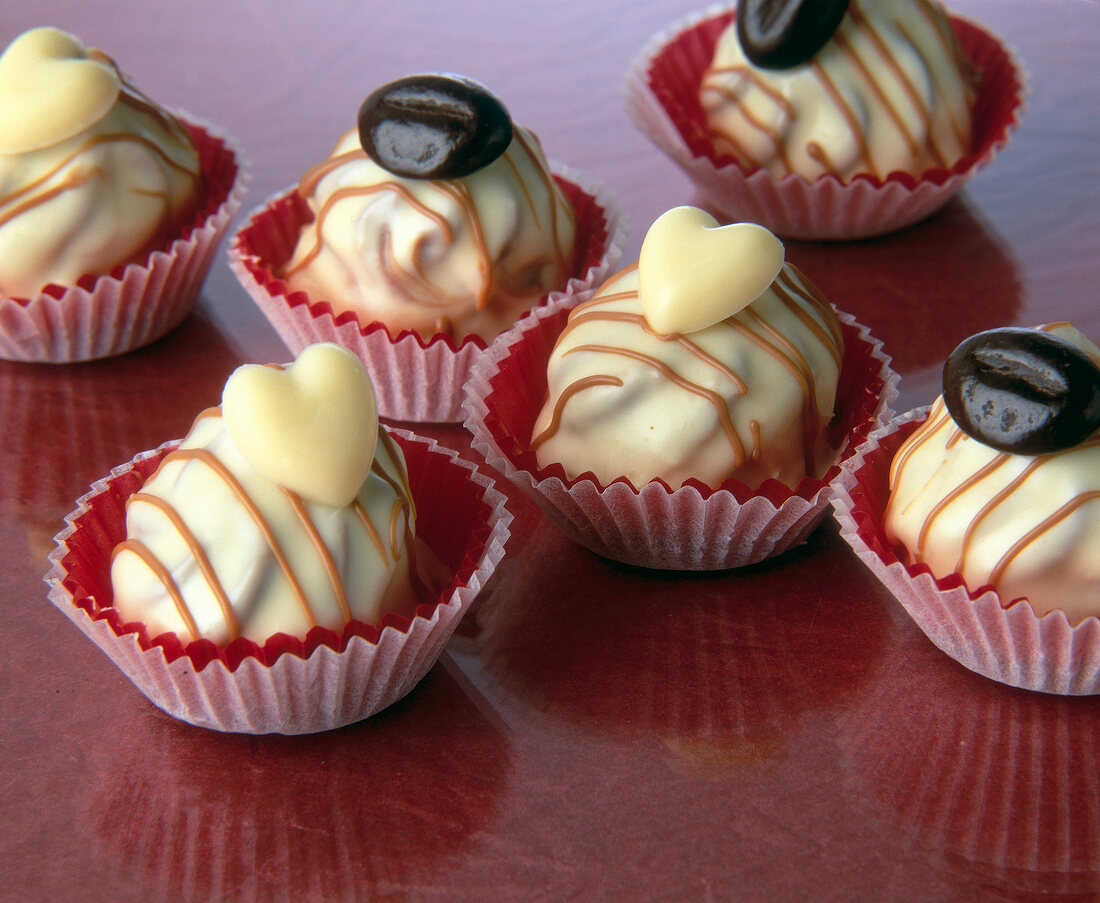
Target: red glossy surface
{"points": [[593, 732]]}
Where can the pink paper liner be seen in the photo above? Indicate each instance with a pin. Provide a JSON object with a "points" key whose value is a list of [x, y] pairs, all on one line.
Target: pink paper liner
{"points": [[136, 304], [289, 685], [692, 528], [1008, 643], [414, 379], [662, 88]]}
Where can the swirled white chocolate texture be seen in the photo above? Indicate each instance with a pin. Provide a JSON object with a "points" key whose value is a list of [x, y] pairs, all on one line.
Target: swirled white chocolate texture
{"points": [[92, 173], [890, 91], [1028, 525], [216, 549], [747, 398], [457, 256]]}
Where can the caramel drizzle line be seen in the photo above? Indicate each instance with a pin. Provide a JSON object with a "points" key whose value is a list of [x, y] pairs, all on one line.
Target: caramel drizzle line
{"points": [[936, 421], [358, 191], [399, 483], [953, 50], [204, 456], [369, 529], [903, 81], [1039, 529], [937, 509], [568, 392], [414, 285], [788, 290], [716, 400], [550, 188], [460, 192], [948, 44], [307, 185], [75, 180], [796, 364], [201, 559], [322, 550], [639, 320], [402, 503], [136, 99], [939, 420], [846, 114], [733, 95], [876, 88], [165, 578]]}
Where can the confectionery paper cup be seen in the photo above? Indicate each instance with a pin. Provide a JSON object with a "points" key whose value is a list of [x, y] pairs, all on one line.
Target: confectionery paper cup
{"points": [[287, 686], [1011, 644], [662, 88], [414, 379], [134, 305], [692, 528]]}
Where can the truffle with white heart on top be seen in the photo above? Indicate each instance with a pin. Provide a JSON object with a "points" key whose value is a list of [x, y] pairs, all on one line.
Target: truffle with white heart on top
{"points": [[710, 359], [285, 509]]}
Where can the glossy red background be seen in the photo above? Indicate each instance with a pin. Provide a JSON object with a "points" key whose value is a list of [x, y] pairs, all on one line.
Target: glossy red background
{"points": [[593, 732]]}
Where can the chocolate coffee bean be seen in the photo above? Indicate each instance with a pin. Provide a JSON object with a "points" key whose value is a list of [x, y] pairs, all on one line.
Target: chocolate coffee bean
{"points": [[434, 126], [1022, 391], [781, 34]]}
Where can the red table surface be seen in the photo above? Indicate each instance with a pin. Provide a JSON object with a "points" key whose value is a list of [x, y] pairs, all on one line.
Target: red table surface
{"points": [[592, 732]]}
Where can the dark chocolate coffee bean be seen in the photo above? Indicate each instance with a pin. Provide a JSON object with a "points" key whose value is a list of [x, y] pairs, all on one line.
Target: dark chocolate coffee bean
{"points": [[1022, 391], [434, 126], [781, 34]]}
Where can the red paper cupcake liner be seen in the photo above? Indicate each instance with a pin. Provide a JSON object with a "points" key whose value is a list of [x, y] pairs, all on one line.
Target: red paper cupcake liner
{"points": [[288, 685], [104, 316], [662, 99], [692, 528], [414, 379], [1008, 643]]}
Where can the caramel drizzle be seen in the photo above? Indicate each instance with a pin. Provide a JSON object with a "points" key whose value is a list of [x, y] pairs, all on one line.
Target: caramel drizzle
{"points": [[714, 81], [768, 340], [580, 385], [25, 198], [687, 385], [939, 420], [414, 284], [402, 505], [130, 96]]}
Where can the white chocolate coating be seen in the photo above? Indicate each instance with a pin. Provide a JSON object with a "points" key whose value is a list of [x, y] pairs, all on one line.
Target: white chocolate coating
{"points": [[216, 549], [890, 91], [461, 256], [748, 398], [1027, 525], [82, 203]]}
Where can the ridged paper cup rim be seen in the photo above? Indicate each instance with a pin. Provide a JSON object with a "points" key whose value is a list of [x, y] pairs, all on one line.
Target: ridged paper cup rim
{"points": [[692, 528], [414, 379], [792, 206], [108, 315], [1010, 644], [289, 685]]}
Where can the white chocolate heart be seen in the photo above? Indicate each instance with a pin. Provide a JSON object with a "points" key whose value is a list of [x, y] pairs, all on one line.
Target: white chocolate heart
{"points": [[693, 273], [50, 90], [310, 427]]}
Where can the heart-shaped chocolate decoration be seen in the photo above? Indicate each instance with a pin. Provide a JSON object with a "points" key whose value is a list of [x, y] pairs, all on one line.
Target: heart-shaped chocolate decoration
{"points": [[693, 273], [434, 126], [782, 34], [50, 90], [310, 427]]}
